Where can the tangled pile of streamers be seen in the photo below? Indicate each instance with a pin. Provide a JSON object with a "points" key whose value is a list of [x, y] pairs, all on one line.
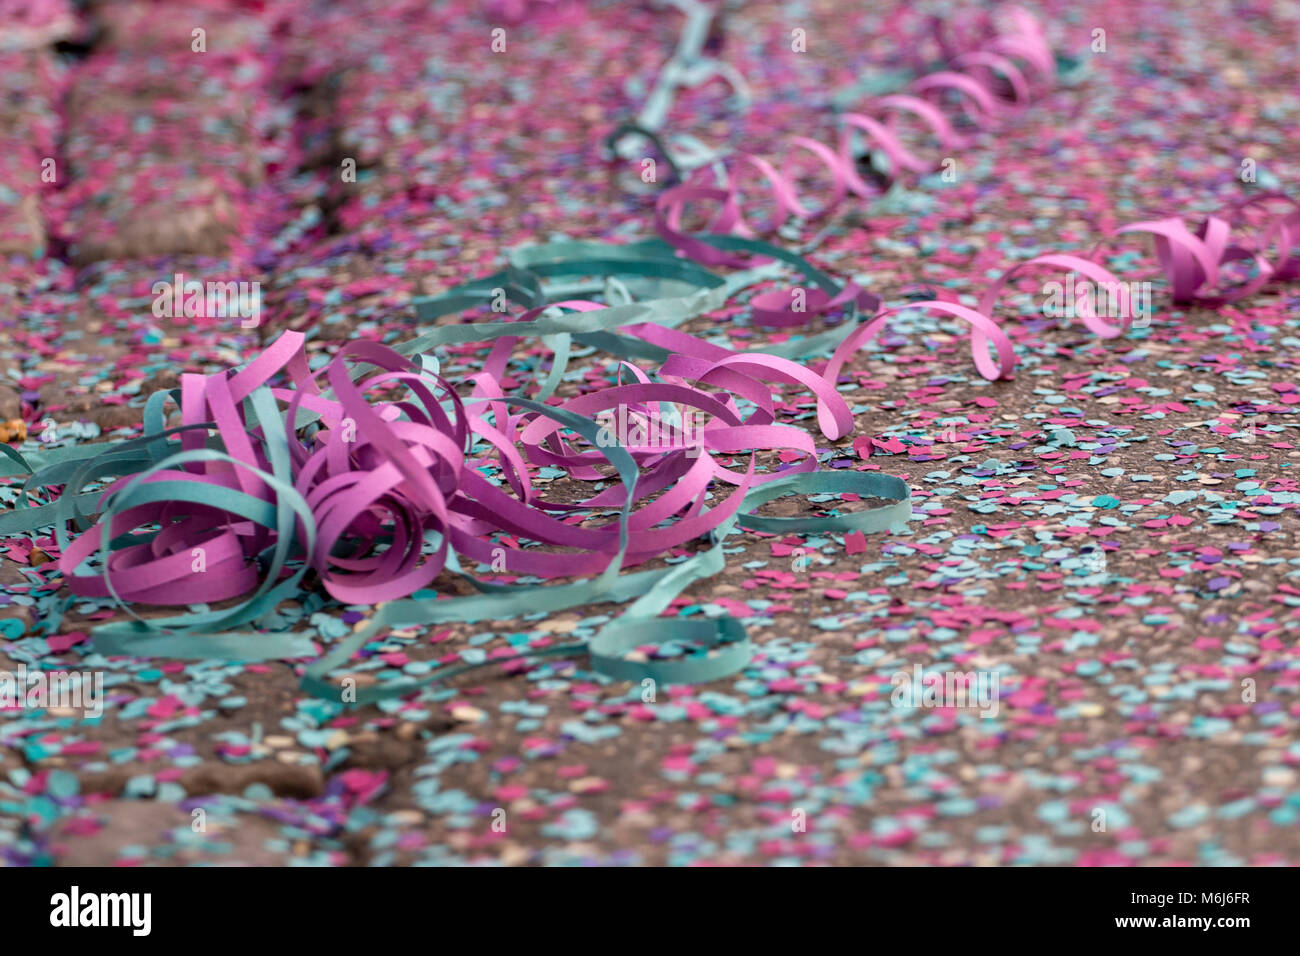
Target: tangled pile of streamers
{"points": [[375, 475]]}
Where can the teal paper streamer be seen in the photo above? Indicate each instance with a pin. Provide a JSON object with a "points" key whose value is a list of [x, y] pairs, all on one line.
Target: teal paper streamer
{"points": [[651, 258], [730, 646]]}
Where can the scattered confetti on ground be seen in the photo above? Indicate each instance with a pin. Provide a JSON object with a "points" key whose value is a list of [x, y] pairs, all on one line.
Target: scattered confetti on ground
{"points": [[1109, 538]]}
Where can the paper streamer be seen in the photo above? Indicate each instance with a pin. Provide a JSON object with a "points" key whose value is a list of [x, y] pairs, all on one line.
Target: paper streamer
{"points": [[1020, 59], [1193, 261]]}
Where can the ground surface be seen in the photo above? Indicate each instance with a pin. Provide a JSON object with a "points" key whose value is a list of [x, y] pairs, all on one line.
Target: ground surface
{"points": [[1157, 683]]}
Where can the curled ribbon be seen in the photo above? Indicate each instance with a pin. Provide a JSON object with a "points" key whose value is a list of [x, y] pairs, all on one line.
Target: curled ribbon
{"points": [[1019, 62], [1193, 262]]}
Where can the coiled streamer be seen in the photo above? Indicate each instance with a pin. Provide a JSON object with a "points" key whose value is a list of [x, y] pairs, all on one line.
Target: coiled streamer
{"points": [[997, 75]]}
